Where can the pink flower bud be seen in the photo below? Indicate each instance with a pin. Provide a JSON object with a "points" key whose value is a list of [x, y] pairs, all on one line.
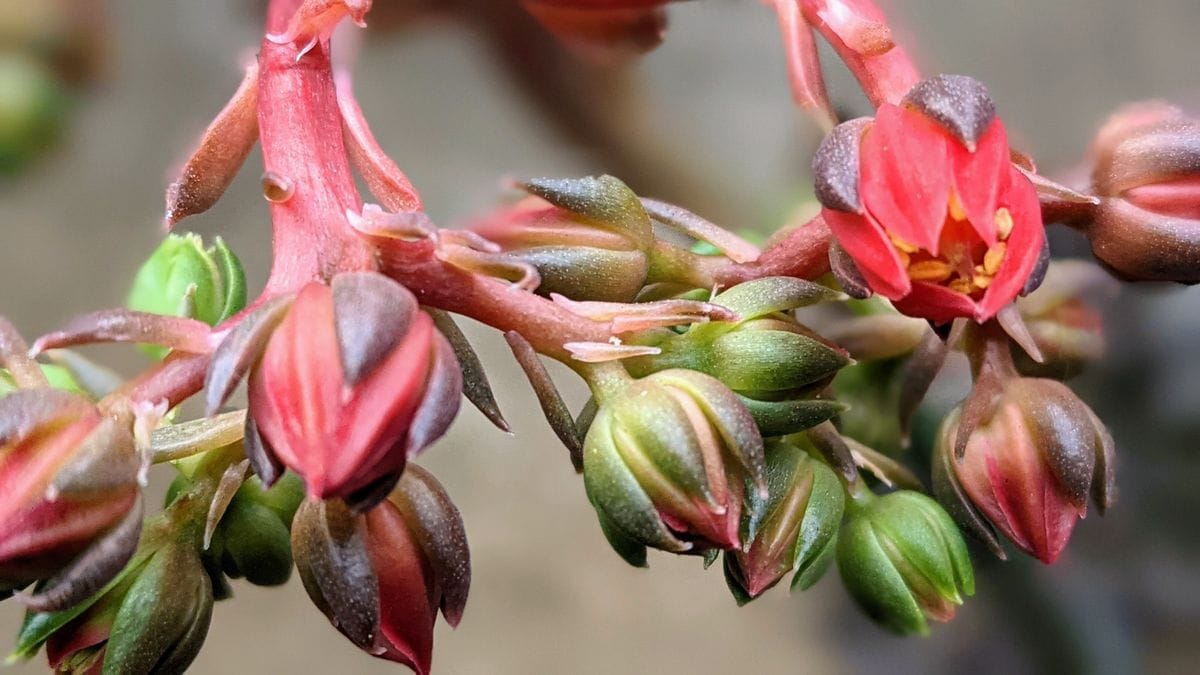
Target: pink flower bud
{"points": [[1028, 468], [1147, 170], [382, 577], [68, 481], [353, 382]]}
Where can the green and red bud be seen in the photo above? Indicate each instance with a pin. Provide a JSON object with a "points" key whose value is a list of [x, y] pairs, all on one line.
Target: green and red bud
{"points": [[184, 278], [69, 495], [903, 560], [667, 461], [153, 620], [588, 238], [797, 530], [1028, 467], [1147, 174], [381, 577], [353, 380]]}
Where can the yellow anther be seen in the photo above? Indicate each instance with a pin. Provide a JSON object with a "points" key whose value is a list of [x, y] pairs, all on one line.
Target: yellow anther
{"points": [[993, 258], [981, 281], [903, 246], [1004, 222], [961, 285], [905, 259], [957, 212], [930, 270]]}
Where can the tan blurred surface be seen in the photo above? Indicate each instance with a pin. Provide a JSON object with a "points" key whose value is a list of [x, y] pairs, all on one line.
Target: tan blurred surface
{"points": [[548, 596]]}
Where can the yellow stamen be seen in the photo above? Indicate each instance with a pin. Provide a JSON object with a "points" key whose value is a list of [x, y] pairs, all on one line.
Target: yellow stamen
{"points": [[961, 285], [905, 259], [993, 258], [930, 270], [902, 245], [957, 212], [982, 281], [1004, 222]]}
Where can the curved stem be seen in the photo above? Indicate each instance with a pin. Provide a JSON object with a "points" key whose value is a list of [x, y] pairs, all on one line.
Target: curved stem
{"points": [[858, 32]]}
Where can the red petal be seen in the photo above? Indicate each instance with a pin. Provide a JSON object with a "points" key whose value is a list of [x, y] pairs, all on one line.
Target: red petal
{"points": [[979, 177], [295, 390], [872, 251], [407, 606], [906, 175], [1179, 198], [1024, 246], [936, 303], [380, 409]]}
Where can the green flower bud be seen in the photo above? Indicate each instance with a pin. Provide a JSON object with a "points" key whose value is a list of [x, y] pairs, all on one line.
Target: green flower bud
{"points": [[588, 238], [775, 363], [799, 524], [33, 106], [253, 538], [164, 619], [152, 618], [666, 464], [183, 278], [903, 560]]}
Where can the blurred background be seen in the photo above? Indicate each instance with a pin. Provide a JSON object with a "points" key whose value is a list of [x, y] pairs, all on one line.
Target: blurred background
{"points": [[706, 120]]}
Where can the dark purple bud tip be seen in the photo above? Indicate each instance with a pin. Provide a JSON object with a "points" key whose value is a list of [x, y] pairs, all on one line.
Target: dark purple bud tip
{"points": [[960, 104], [835, 166]]}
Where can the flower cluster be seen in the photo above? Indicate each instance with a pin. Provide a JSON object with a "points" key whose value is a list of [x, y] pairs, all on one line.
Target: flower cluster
{"points": [[750, 404]]}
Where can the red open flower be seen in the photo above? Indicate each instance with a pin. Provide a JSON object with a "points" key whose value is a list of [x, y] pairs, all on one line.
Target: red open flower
{"points": [[926, 202]]}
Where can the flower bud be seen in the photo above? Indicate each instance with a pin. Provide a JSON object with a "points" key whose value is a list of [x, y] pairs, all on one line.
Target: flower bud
{"points": [[772, 361], [1147, 171], [798, 528], [153, 620], [68, 491], [667, 461], [588, 238], [253, 538], [381, 577], [904, 561], [1066, 329], [352, 382], [32, 110], [1028, 467], [183, 278]]}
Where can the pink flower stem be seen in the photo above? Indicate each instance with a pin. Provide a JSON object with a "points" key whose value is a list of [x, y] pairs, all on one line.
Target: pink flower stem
{"points": [[858, 32], [300, 128]]}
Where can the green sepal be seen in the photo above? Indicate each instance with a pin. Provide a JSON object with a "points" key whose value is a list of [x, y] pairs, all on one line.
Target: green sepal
{"points": [[233, 278], [781, 418], [158, 616], [258, 542]]}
